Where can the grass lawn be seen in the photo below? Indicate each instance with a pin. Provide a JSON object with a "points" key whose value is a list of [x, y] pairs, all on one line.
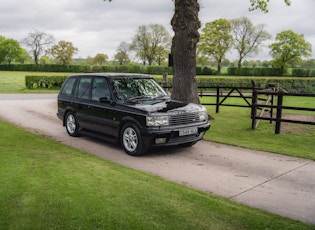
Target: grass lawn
{"points": [[46, 185]]}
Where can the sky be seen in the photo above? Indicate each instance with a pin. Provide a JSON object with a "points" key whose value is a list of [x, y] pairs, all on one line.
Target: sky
{"points": [[95, 26]]}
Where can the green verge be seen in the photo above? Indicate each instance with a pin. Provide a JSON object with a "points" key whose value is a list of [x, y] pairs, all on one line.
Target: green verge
{"points": [[46, 185]]}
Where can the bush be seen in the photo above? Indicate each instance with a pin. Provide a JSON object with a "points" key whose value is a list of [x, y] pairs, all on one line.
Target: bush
{"points": [[298, 72], [33, 82], [205, 71]]}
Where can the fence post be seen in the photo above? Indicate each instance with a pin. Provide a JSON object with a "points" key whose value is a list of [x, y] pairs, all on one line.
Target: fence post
{"points": [[218, 100], [254, 109], [272, 103], [279, 113]]}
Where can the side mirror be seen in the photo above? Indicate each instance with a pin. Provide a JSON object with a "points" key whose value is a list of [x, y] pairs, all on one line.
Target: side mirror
{"points": [[106, 100]]}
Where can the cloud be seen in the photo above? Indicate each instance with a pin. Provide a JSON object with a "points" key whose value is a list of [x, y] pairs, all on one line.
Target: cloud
{"points": [[97, 26]]}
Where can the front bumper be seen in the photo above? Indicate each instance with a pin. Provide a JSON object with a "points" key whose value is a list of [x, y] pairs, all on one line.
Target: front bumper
{"points": [[168, 136]]}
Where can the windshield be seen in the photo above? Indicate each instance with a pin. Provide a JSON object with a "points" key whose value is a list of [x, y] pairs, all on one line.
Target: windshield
{"points": [[137, 88]]}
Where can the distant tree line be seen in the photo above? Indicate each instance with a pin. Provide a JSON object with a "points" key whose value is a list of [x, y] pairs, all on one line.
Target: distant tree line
{"points": [[151, 45]]}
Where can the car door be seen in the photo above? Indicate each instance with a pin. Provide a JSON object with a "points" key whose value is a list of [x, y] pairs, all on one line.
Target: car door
{"points": [[83, 99], [101, 111]]}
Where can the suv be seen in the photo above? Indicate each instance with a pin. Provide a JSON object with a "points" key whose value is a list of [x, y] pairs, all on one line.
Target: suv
{"points": [[132, 109]]}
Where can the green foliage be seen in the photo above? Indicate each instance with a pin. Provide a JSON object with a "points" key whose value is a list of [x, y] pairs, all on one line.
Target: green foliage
{"points": [[205, 71], [10, 50], [216, 40], [63, 51], [303, 72], [289, 47], [150, 41], [292, 85], [33, 82], [233, 71], [263, 5], [100, 59]]}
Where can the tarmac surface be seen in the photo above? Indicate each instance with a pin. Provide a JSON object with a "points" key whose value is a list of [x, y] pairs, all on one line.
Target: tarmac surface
{"points": [[276, 183]]}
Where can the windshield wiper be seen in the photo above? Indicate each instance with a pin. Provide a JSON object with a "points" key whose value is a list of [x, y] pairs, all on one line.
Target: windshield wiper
{"points": [[138, 98], [161, 96]]}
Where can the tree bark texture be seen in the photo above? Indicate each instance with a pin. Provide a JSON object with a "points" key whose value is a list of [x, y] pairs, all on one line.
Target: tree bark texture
{"points": [[185, 23]]}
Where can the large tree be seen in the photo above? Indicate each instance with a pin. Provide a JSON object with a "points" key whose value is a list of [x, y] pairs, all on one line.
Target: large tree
{"points": [[148, 40], [122, 53], [10, 50], [289, 47], [185, 24], [247, 37], [63, 51], [216, 40], [36, 42], [100, 59]]}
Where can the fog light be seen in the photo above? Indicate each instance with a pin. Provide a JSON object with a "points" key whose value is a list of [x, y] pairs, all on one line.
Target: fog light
{"points": [[201, 134], [160, 140]]}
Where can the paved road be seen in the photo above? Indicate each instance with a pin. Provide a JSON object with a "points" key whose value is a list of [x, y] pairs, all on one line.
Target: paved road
{"points": [[279, 184]]}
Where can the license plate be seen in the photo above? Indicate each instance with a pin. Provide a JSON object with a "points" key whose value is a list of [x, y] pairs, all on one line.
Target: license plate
{"points": [[188, 131]]}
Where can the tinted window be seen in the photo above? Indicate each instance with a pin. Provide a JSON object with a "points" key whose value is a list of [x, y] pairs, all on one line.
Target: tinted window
{"points": [[126, 88], [84, 88], [67, 89], [100, 89]]}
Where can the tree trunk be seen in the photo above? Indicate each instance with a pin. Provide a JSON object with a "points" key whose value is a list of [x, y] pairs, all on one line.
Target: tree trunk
{"points": [[185, 23], [239, 63], [219, 66]]}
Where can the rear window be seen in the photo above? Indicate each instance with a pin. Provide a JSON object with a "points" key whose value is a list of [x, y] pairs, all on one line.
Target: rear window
{"points": [[84, 88], [68, 87]]}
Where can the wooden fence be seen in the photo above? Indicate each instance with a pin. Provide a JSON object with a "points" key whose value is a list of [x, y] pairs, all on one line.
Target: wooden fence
{"points": [[279, 108], [253, 97]]}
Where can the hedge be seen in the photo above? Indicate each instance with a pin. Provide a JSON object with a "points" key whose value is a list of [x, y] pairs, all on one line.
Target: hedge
{"points": [[292, 85], [255, 72], [155, 70], [33, 82]]}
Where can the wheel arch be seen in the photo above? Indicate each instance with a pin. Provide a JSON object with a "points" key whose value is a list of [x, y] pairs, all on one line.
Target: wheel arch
{"points": [[126, 120]]}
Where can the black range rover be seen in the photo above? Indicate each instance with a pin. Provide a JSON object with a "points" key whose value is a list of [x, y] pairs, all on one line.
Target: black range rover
{"points": [[131, 109]]}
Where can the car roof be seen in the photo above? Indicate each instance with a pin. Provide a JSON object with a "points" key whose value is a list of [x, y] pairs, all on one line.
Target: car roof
{"points": [[114, 75]]}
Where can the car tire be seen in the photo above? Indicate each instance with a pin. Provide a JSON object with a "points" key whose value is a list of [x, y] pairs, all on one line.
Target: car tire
{"points": [[131, 140], [72, 125]]}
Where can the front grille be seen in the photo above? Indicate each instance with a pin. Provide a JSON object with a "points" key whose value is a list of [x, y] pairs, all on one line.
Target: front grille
{"points": [[182, 119]]}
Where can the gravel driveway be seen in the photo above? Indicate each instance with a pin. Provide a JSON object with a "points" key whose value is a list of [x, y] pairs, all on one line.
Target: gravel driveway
{"points": [[279, 184]]}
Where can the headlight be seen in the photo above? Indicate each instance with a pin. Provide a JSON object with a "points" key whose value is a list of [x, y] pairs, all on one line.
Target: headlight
{"points": [[203, 115], [157, 121]]}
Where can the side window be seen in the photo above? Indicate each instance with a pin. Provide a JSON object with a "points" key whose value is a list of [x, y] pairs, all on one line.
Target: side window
{"points": [[100, 89], [68, 87], [84, 88]]}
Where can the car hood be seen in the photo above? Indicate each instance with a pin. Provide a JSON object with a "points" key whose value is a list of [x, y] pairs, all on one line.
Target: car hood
{"points": [[167, 106]]}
